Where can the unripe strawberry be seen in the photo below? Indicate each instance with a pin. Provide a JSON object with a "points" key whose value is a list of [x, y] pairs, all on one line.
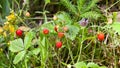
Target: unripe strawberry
{"points": [[65, 28], [27, 14], [19, 32], [55, 17], [56, 28], [60, 34], [58, 44], [45, 31]]}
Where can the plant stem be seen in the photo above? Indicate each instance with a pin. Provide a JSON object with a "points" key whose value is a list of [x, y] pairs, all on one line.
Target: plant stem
{"points": [[94, 52], [114, 58], [111, 5], [79, 56], [21, 20], [70, 52]]}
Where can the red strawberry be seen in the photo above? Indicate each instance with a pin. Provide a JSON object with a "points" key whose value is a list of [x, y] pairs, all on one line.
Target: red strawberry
{"points": [[19, 32], [56, 28], [45, 31], [100, 36], [58, 44], [60, 34]]}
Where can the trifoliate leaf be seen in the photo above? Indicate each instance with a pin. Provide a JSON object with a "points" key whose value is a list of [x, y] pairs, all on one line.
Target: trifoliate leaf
{"points": [[116, 26], [16, 45], [19, 57], [73, 31]]}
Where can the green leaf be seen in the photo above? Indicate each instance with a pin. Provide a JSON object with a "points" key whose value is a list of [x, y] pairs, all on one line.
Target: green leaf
{"points": [[103, 67], [16, 45], [69, 6], [63, 16], [5, 7], [19, 57], [91, 14], [80, 65], [47, 1], [91, 4], [92, 65], [43, 50], [36, 51], [28, 39], [80, 4], [116, 27], [73, 31]]}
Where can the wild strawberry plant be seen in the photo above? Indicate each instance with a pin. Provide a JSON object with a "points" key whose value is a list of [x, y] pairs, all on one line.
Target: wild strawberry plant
{"points": [[68, 39]]}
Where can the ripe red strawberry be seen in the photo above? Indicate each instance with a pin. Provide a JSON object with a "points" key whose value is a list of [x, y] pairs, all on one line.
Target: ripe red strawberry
{"points": [[58, 44], [19, 32], [60, 34], [45, 31], [65, 28], [100, 36], [56, 28]]}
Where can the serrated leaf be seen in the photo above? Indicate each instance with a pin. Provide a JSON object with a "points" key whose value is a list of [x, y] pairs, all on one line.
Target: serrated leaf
{"points": [[80, 65], [73, 31], [80, 4], [69, 6], [36, 51], [92, 4], [28, 39], [19, 57], [91, 14], [92, 65], [116, 26], [16, 45], [63, 16]]}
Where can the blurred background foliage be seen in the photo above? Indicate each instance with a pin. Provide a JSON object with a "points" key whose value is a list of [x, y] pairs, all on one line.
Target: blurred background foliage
{"points": [[37, 8], [38, 5]]}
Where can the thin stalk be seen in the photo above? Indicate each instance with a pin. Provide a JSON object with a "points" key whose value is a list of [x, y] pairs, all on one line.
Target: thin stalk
{"points": [[94, 52], [115, 66], [45, 17], [17, 4], [111, 5], [57, 56], [12, 4], [79, 56], [70, 52], [106, 6], [21, 10], [21, 20], [114, 58]]}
